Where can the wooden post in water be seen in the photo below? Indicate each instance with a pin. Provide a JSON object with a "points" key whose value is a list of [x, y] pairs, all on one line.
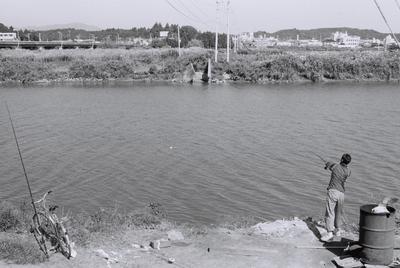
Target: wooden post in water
{"points": [[209, 71], [179, 42]]}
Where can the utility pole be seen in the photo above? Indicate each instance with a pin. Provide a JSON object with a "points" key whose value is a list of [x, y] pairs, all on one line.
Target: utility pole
{"points": [[216, 33], [234, 39], [40, 37], [179, 41], [227, 35], [209, 71]]}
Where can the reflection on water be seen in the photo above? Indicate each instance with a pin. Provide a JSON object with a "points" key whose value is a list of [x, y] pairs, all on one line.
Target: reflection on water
{"points": [[202, 151]]}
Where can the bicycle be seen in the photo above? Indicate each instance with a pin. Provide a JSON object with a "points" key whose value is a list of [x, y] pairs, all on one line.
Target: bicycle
{"points": [[49, 231]]}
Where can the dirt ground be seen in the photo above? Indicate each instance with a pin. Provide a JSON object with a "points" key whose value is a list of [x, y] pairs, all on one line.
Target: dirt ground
{"points": [[282, 243]]}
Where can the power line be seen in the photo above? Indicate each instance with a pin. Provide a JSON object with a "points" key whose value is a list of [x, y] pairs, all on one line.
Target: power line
{"points": [[192, 13], [397, 3], [387, 23], [199, 9], [182, 13]]}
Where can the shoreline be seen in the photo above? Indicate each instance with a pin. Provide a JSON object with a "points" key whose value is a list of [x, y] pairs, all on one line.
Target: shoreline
{"points": [[273, 66], [123, 81]]}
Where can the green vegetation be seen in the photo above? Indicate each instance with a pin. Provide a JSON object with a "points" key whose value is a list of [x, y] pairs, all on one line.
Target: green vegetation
{"points": [[260, 66], [280, 65], [14, 218], [17, 245], [20, 250]]}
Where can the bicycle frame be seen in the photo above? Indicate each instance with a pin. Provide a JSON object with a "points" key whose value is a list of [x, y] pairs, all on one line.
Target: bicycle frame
{"points": [[52, 229]]}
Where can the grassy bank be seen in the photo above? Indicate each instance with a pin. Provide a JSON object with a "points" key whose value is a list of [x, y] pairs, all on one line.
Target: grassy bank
{"points": [[17, 244], [115, 229], [272, 65]]}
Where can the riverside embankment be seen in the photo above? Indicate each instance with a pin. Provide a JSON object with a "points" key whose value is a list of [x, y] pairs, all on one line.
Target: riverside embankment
{"points": [[146, 239], [272, 65]]}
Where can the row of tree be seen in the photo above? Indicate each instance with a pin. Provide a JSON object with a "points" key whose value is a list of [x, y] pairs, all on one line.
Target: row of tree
{"points": [[189, 35]]}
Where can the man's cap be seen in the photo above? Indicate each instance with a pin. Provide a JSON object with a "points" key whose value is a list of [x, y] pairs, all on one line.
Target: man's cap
{"points": [[346, 159]]}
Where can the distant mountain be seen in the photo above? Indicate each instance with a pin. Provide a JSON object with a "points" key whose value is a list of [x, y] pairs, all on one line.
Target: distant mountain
{"points": [[322, 33], [78, 26]]}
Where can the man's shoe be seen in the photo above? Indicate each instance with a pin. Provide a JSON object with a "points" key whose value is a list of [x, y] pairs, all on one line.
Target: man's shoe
{"points": [[327, 237]]}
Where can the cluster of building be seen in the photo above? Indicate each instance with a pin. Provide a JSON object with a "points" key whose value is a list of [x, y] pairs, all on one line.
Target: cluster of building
{"points": [[8, 37], [249, 40], [337, 39]]}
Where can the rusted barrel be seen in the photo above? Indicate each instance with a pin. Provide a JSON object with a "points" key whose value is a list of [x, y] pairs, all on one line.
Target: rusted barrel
{"points": [[377, 235]]}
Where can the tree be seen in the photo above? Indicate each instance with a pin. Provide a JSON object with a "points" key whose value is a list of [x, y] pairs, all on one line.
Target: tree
{"points": [[156, 29], [195, 43], [207, 38], [172, 42], [4, 28], [187, 33], [158, 43]]}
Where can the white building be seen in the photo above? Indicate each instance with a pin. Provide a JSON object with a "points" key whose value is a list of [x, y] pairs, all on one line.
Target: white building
{"points": [[164, 34], [309, 43], [263, 41], [284, 44], [247, 37], [389, 40], [345, 40], [8, 36]]}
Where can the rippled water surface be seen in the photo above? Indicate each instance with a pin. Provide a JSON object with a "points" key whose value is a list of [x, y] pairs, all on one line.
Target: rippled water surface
{"points": [[202, 151]]}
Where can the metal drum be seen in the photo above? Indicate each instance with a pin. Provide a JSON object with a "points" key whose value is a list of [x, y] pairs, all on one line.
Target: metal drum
{"points": [[377, 235]]}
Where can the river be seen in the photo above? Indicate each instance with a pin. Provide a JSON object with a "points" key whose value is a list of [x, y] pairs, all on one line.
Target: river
{"points": [[204, 152]]}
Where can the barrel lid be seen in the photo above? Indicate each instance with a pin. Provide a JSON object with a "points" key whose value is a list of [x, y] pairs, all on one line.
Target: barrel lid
{"points": [[368, 209]]}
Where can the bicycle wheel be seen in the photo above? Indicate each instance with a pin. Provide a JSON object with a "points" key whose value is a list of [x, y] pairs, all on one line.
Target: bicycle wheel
{"points": [[44, 231], [63, 240]]}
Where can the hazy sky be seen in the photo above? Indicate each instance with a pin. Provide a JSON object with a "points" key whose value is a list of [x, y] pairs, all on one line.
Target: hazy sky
{"points": [[246, 15]]}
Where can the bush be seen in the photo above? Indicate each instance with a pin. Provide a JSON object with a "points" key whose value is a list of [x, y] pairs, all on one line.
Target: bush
{"points": [[13, 217], [9, 216], [153, 69], [195, 43]]}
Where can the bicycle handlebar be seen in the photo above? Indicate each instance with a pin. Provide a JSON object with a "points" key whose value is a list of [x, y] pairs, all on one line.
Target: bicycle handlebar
{"points": [[44, 197]]}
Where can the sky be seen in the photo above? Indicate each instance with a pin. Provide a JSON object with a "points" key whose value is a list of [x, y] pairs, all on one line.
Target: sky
{"points": [[245, 15]]}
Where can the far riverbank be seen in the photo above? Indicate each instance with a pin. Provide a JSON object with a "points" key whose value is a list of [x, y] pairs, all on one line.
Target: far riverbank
{"points": [[261, 66]]}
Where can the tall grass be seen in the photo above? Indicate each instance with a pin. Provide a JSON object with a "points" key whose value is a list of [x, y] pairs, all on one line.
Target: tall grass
{"points": [[83, 226], [20, 250], [164, 64]]}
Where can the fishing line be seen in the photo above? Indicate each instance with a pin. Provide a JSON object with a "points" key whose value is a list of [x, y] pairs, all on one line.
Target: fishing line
{"points": [[320, 157]]}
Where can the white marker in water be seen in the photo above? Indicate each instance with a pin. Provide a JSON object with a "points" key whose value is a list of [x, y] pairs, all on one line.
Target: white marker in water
{"points": [[171, 147]]}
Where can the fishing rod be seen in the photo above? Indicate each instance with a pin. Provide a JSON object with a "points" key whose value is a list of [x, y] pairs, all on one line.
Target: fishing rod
{"points": [[22, 162]]}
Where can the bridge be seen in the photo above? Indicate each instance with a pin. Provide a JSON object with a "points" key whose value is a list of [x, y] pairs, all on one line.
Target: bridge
{"points": [[48, 44]]}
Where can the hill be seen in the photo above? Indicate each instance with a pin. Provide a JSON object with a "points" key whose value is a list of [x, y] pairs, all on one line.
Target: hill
{"points": [[78, 26], [323, 33]]}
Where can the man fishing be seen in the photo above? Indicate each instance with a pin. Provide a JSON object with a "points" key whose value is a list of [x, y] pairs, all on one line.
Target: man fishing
{"points": [[335, 196]]}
